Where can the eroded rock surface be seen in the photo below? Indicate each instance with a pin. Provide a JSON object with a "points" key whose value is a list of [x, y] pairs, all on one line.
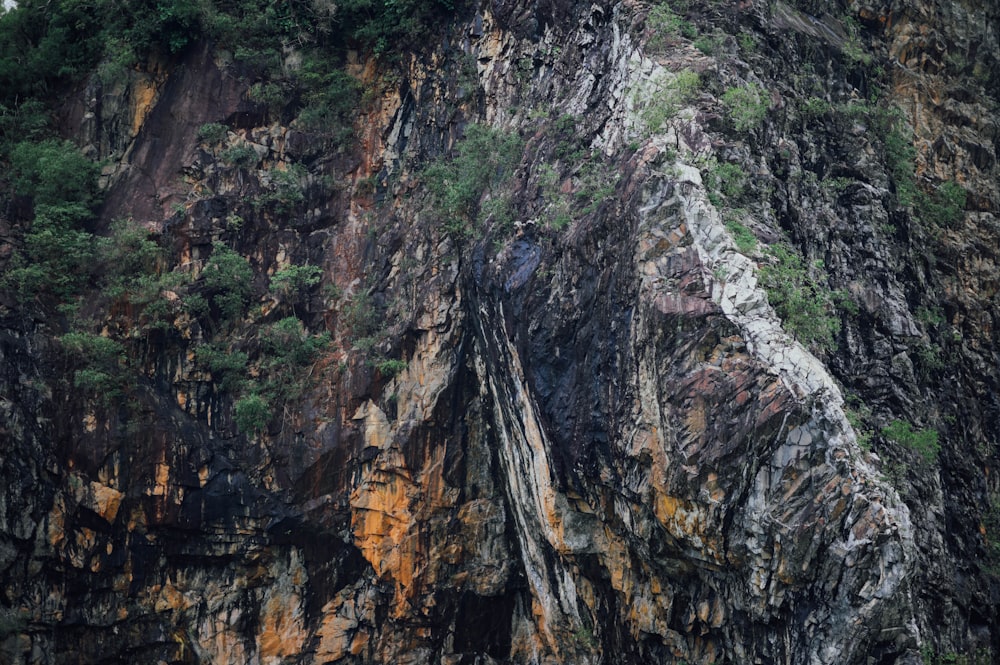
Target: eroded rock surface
{"points": [[603, 444]]}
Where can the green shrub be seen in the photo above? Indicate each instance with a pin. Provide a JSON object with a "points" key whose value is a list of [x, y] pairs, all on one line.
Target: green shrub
{"points": [[330, 97], [252, 413], [228, 368], [746, 106], [127, 255], [286, 187], [666, 27], [805, 306], [858, 415], [103, 359], [27, 120], [921, 441], [708, 44], [53, 173], [744, 238], [241, 156], [384, 25], [292, 279], [289, 343], [390, 367], [945, 207], [360, 317], [289, 348], [900, 157], [93, 348], [269, 93], [213, 133], [815, 107], [57, 258], [483, 160], [727, 179], [227, 277], [853, 49], [662, 97]]}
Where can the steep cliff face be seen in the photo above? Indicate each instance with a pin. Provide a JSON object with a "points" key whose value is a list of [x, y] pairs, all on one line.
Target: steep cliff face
{"points": [[666, 385]]}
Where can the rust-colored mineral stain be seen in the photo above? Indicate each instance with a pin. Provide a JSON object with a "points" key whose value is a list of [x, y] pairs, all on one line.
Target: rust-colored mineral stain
{"points": [[143, 98]]}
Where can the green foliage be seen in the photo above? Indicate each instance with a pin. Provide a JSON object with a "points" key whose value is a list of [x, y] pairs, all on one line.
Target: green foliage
{"points": [[708, 44], [94, 348], [286, 187], [853, 49], [390, 366], [227, 277], [269, 93], [483, 161], [744, 238], [945, 207], [289, 348], [103, 360], [128, 254], [900, 157], [240, 155], [251, 414], [858, 415], [663, 96], [815, 107], [43, 43], [386, 24], [360, 316], [746, 106], [666, 27], [57, 257], [330, 97], [213, 133], [805, 306], [27, 120], [921, 441], [930, 317], [289, 343], [228, 368], [292, 279], [727, 179], [53, 173]]}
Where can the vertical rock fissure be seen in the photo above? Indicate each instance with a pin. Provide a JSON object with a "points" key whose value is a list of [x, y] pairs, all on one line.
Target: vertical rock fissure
{"points": [[534, 502]]}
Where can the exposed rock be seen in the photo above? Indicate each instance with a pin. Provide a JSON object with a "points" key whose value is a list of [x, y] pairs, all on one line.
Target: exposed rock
{"points": [[597, 444]]}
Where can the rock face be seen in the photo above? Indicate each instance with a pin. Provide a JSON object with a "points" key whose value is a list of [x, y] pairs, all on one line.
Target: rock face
{"points": [[601, 441]]}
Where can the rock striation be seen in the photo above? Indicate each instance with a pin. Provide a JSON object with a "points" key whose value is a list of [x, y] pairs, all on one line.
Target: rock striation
{"points": [[579, 429]]}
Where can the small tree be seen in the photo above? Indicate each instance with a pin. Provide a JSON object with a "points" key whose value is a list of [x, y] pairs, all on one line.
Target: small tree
{"points": [[485, 159], [747, 106], [252, 413], [922, 441], [288, 282], [227, 277]]}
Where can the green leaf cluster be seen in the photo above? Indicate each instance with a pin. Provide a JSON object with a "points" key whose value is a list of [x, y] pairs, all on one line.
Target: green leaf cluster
{"points": [[805, 305], [227, 279], [924, 442], [58, 251], [228, 368], [482, 162], [663, 96], [746, 106], [252, 413], [102, 360], [666, 26]]}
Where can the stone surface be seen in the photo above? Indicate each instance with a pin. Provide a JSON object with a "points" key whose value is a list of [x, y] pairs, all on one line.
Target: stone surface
{"points": [[604, 445]]}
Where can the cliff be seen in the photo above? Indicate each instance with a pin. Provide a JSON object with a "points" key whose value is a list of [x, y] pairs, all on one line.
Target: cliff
{"points": [[566, 333]]}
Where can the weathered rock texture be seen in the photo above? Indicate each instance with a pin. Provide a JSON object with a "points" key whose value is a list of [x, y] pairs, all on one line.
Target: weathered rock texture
{"points": [[604, 447]]}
